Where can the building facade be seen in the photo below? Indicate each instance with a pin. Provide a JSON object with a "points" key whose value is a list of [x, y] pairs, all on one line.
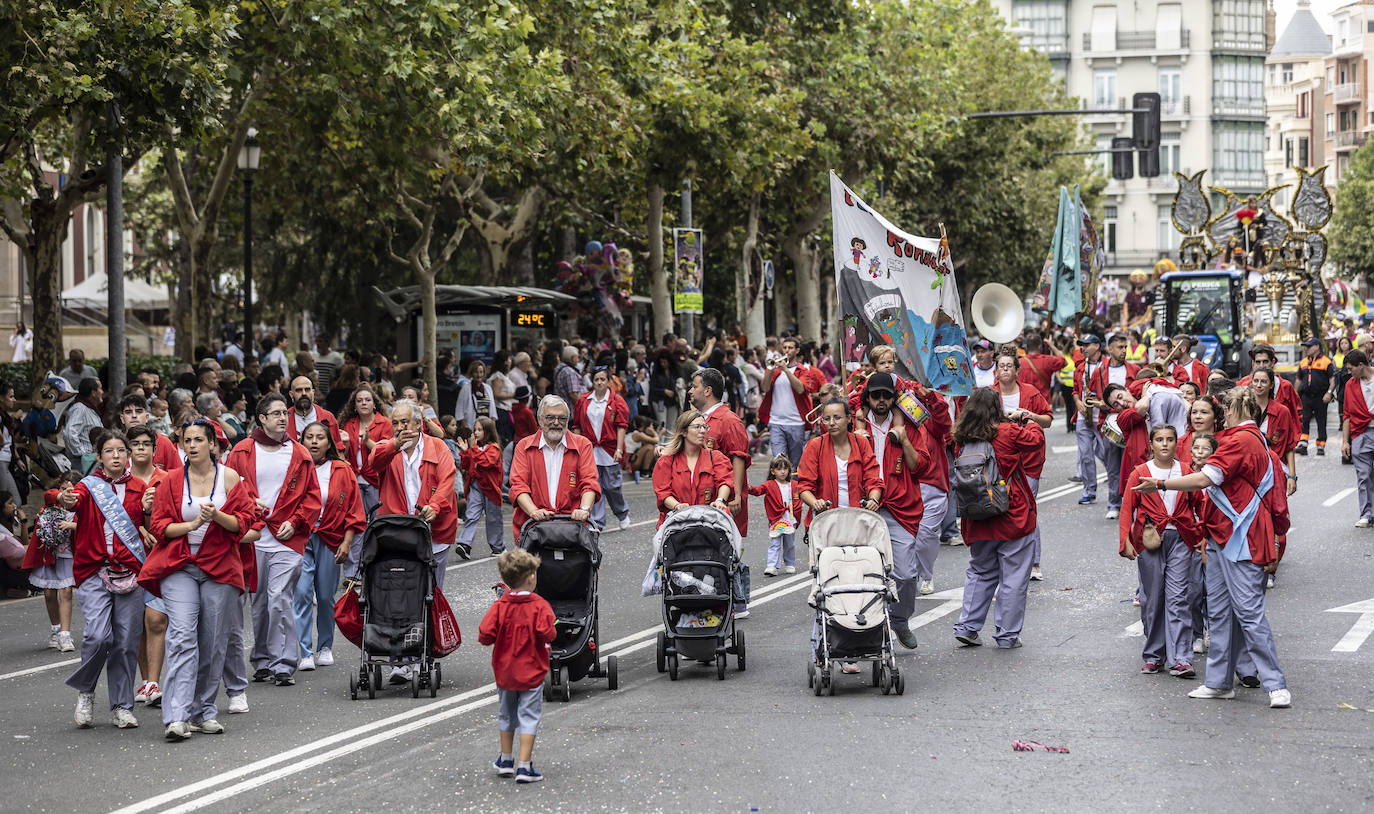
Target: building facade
{"points": [[1295, 94], [1206, 60], [1349, 118]]}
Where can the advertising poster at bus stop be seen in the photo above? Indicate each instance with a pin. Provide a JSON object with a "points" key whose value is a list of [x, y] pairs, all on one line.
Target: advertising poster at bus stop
{"points": [[687, 270]]}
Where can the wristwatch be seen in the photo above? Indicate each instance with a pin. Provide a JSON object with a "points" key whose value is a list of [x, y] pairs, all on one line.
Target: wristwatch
{"points": [[1160, 485]]}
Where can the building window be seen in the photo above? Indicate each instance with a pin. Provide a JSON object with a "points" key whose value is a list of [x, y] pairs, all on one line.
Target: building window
{"points": [[1238, 82], [1104, 88], [1330, 75], [1301, 100], [1171, 90], [1302, 151], [1166, 235], [1238, 152], [1047, 21], [1331, 124], [1287, 73], [1109, 229], [1342, 33], [1288, 152], [1104, 158], [1238, 21], [1169, 154]]}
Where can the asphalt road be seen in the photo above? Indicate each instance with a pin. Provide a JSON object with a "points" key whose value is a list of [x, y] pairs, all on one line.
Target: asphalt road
{"points": [[760, 740]]}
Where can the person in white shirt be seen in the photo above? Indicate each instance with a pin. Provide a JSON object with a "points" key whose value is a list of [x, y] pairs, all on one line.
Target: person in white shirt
{"points": [[984, 370], [277, 356], [22, 342], [786, 402], [82, 417]]}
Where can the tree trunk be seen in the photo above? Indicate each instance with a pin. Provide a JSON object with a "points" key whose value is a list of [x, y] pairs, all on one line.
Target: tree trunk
{"points": [[749, 287], [429, 326], [202, 292], [658, 278], [827, 284], [524, 265], [183, 319], [798, 249], [784, 304], [568, 243], [502, 242], [48, 228]]}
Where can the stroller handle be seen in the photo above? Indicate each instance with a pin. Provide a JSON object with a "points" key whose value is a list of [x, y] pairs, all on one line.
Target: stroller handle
{"points": [[527, 523]]}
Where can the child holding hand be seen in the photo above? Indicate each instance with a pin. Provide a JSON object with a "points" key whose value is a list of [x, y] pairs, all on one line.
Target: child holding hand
{"points": [[519, 627], [783, 507]]}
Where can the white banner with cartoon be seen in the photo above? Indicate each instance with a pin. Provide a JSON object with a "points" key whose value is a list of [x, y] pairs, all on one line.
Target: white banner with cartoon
{"points": [[897, 289]]}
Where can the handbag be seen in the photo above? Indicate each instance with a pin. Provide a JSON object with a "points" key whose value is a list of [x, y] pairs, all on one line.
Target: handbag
{"points": [[444, 636], [349, 617], [1150, 538], [118, 580]]}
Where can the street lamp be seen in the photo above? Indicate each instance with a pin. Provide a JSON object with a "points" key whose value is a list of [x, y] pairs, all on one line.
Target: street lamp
{"points": [[249, 156]]}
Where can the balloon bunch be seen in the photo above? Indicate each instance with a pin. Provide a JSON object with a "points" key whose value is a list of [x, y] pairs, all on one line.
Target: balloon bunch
{"points": [[601, 279]]}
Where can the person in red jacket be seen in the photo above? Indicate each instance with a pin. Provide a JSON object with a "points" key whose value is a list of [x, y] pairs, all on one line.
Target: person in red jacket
{"points": [[602, 417], [1242, 480], [482, 472], [1276, 423], [1190, 369], [416, 474], [342, 518], [822, 483], [1157, 531], [1001, 546], [553, 471], [133, 411], [519, 627], [522, 417], [362, 425], [782, 506], [689, 473], [109, 546], [282, 476], [198, 517], [787, 400], [1357, 430], [1116, 371], [305, 410], [1264, 356], [1022, 402]]}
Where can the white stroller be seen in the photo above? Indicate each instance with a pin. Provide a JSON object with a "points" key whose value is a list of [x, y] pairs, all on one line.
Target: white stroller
{"points": [[851, 564]]}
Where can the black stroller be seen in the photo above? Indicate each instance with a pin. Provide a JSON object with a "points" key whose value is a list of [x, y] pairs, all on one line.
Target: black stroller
{"points": [[698, 554], [397, 569], [569, 559]]}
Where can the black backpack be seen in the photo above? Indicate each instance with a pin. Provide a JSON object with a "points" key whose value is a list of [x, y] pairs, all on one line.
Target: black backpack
{"points": [[979, 490]]}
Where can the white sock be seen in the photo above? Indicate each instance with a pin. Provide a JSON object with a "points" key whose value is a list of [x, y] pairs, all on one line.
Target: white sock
{"points": [[526, 764], [56, 628], [504, 756]]}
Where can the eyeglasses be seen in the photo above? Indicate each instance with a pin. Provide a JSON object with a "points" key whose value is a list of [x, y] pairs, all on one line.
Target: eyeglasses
{"points": [[555, 419], [278, 413], [696, 425]]}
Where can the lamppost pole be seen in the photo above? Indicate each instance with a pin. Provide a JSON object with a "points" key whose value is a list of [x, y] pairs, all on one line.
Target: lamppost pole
{"points": [[249, 156]]}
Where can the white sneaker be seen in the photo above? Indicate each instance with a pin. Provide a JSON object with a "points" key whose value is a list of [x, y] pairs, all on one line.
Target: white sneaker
{"points": [[324, 658], [1280, 699], [1211, 692], [307, 663], [1036, 573], [154, 694], [925, 587], [124, 719], [1113, 514], [770, 571], [53, 640], [238, 703], [744, 614], [399, 675], [210, 727], [85, 705], [64, 642], [791, 569], [957, 539], [624, 522], [177, 731], [142, 695], [1362, 523], [1199, 646]]}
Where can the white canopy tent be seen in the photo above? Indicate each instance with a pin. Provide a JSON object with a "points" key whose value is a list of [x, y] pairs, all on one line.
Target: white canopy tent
{"points": [[93, 293]]}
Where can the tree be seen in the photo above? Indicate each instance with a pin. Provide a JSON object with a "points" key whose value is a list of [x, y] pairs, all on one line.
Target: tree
{"points": [[69, 65], [1352, 224]]}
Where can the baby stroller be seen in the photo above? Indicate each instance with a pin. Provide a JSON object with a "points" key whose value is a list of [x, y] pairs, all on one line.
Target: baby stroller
{"points": [[569, 559], [698, 554], [397, 569], [851, 563]]}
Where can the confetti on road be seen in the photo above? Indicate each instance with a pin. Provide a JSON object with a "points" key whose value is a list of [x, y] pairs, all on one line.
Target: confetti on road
{"points": [[1031, 746]]}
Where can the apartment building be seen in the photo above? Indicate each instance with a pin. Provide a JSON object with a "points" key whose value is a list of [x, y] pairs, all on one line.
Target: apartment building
{"points": [[1206, 58], [1349, 117], [1295, 96]]}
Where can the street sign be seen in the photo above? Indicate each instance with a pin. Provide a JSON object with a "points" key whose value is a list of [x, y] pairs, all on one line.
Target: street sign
{"points": [[1358, 632], [768, 279]]}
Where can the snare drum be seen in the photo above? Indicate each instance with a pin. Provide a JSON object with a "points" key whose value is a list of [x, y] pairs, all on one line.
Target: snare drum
{"points": [[1111, 430]]}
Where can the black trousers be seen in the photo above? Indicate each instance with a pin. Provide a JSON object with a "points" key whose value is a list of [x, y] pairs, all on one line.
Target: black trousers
{"points": [[1314, 407]]}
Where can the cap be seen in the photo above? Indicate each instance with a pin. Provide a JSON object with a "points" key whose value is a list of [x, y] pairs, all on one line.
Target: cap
{"points": [[1090, 339], [1363, 338], [522, 393], [982, 344], [1313, 341], [878, 382]]}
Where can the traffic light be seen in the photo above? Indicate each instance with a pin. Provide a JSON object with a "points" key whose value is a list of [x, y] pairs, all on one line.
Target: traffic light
{"points": [[1145, 132], [1121, 159]]}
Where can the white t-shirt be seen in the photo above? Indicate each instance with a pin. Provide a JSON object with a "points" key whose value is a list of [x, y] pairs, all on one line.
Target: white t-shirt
{"points": [[500, 381], [410, 465], [190, 510], [1367, 387], [1116, 374], [1169, 497], [119, 490], [984, 377], [784, 409], [322, 477], [272, 465], [1011, 402], [596, 414], [303, 421], [553, 464], [842, 467], [878, 432]]}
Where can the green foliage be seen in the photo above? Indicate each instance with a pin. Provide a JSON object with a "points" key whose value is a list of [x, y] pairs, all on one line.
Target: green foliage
{"points": [[1352, 225]]}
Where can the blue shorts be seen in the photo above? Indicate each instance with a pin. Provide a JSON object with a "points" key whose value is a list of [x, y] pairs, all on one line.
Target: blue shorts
{"points": [[519, 710], [154, 602]]}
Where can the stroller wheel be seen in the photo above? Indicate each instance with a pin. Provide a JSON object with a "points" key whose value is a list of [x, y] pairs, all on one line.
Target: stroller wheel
{"points": [[661, 655], [415, 682], [810, 676], [372, 687], [435, 679], [352, 687], [885, 680], [739, 651], [672, 666], [720, 665], [612, 673], [567, 689], [898, 682], [877, 674], [548, 686]]}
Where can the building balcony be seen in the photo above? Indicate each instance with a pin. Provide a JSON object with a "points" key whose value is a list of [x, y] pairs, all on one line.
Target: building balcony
{"points": [[1238, 41], [1349, 140], [1176, 108], [1344, 94], [1240, 180], [1231, 106], [1139, 41], [1052, 45]]}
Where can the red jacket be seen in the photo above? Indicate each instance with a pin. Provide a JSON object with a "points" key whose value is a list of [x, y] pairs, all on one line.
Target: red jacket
{"points": [[1014, 446], [1286, 394], [1196, 371], [165, 454], [773, 506], [617, 418], [88, 540], [321, 414], [1137, 508], [220, 556], [902, 484], [358, 455], [1357, 412], [697, 487], [812, 380], [1035, 402], [725, 433], [343, 509], [935, 432], [1080, 370], [1134, 427], [438, 476], [1038, 369], [36, 555], [1101, 378], [482, 466], [521, 628], [528, 477], [523, 420], [819, 475], [1242, 460], [1279, 428], [298, 501]]}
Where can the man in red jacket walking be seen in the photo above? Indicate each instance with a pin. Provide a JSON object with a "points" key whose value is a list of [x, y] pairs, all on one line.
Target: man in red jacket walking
{"points": [[519, 626]]}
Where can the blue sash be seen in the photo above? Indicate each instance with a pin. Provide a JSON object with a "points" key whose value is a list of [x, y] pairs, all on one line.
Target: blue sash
{"points": [[115, 516], [1237, 548]]}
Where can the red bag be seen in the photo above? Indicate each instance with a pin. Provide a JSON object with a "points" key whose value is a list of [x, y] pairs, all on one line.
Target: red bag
{"points": [[444, 636], [349, 617]]}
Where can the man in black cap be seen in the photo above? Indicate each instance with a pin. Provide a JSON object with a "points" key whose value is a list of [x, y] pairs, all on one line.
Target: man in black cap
{"points": [[1316, 388], [1090, 444]]}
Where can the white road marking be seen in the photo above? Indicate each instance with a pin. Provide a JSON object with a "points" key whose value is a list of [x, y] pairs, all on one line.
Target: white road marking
{"points": [[391, 727], [40, 668], [1360, 631], [481, 558], [935, 614], [1338, 497], [1133, 630], [1062, 450]]}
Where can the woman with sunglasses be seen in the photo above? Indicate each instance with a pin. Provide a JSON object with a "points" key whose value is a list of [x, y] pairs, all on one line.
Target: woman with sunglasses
{"points": [[689, 473], [331, 541]]}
